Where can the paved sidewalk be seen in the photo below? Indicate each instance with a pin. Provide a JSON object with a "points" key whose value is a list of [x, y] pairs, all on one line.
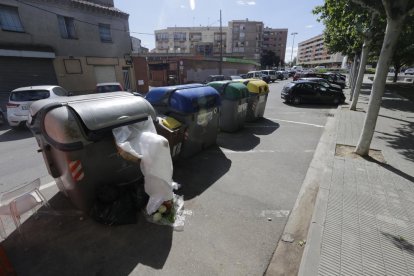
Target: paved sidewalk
{"points": [[363, 222]]}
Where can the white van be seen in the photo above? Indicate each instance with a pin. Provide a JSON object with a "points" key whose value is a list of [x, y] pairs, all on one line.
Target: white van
{"points": [[297, 68]]}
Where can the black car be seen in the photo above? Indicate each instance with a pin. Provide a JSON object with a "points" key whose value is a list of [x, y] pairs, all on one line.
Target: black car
{"points": [[325, 83], [308, 91]]}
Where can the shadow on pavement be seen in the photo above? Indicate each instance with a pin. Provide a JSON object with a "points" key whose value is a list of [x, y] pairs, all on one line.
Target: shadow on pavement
{"points": [[262, 126], [390, 168], [402, 140], [67, 244], [246, 138], [400, 242], [198, 173], [14, 134], [313, 106]]}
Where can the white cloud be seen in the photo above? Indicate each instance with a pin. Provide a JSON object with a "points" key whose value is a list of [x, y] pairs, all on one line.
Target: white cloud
{"points": [[192, 4], [309, 26], [246, 3]]}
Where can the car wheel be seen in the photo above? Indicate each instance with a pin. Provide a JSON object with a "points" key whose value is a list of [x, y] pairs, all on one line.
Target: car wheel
{"points": [[2, 120], [296, 100], [336, 101]]}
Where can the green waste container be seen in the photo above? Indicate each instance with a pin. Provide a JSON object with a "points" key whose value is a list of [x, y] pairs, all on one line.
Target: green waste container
{"points": [[234, 102]]}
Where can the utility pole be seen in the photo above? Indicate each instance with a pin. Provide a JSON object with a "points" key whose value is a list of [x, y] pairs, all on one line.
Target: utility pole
{"points": [[221, 48], [293, 42]]}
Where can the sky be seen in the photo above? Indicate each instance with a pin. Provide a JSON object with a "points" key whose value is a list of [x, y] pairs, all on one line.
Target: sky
{"points": [[296, 15]]}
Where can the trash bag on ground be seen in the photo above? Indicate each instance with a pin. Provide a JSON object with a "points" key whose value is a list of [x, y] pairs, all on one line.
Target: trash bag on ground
{"points": [[117, 204], [142, 141], [170, 213]]}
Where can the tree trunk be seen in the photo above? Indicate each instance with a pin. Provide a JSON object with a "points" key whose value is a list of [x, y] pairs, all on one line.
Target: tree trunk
{"points": [[397, 69], [353, 75], [361, 73], [392, 32]]}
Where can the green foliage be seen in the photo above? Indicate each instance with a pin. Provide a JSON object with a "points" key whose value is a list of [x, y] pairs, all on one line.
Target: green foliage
{"points": [[404, 52], [346, 24], [370, 71], [269, 59]]}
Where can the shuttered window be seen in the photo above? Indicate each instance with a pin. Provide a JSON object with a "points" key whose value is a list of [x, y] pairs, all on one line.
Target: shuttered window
{"points": [[9, 19], [105, 32], [66, 27]]}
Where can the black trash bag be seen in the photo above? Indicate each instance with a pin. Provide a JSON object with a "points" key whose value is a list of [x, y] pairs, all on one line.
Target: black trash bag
{"points": [[117, 205]]}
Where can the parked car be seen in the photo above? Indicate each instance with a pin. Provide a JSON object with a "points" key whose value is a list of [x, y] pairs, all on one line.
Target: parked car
{"points": [[20, 100], [235, 78], [215, 78], [271, 74], [282, 75], [409, 71], [331, 77], [325, 83], [2, 118], [308, 91], [258, 75], [105, 87]]}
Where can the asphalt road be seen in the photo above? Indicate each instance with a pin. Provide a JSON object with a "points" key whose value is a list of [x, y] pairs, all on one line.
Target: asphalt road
{"points": [[238, 196]]}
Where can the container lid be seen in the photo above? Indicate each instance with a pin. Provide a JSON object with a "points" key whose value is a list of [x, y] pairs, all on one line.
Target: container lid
{"points": [[101, 111], [194, 99], [231, 90], [160, 95], [257, 86], [170, 122]]}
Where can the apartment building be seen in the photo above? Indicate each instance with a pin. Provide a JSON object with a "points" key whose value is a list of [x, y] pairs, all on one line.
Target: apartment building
{"points": [[72, 43], [245, 38], [205, 41], [275, 40], [313, 52]]}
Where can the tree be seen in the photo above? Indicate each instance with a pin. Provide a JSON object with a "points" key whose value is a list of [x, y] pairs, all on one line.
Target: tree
{"points": [[396, 13], [343, 22], [269, 59], [404, 53]]}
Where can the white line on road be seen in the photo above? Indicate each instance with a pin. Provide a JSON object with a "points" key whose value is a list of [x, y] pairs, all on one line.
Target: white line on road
{"points": [[294, 122], [48, 185]]}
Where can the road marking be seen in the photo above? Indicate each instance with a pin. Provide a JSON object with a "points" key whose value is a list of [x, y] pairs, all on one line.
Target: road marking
{"points": [[275, 213], [251, 151], [48, 185], [295, 122]]}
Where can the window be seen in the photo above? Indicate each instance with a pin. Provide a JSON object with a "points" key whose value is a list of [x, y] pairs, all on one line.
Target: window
{"points": [[9, 19], [178, 36], [161, 36], [105, 32], [66, 27]]}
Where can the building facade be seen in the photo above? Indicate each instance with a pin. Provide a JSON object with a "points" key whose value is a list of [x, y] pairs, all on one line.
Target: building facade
{"points": [[275, 40], [312, 52], [245, 38], [203, 41], [72, 43]]}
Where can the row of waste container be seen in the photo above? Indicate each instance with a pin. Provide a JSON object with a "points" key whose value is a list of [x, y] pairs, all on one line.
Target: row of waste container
{"points": [[75, 133]]}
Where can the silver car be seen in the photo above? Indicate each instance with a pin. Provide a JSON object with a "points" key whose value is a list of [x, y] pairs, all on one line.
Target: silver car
{"points": [[20, 100]]}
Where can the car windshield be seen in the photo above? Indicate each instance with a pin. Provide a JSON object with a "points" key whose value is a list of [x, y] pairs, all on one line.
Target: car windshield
{"points": [[108, 88], [29, 95]]}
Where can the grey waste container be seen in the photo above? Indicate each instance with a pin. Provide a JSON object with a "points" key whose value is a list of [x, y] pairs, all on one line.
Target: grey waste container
{"points": [[234, 97], [75, 137], [197, 107]]}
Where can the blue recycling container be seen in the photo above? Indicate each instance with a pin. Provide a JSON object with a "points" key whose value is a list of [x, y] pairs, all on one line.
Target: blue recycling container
{"points": [[196, 106]]}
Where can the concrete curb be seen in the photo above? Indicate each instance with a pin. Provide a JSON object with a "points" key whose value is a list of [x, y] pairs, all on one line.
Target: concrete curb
{"points": [[287, 257]]}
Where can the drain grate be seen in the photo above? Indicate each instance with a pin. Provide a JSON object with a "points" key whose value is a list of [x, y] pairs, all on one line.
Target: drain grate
{"points": [[330, 115]]}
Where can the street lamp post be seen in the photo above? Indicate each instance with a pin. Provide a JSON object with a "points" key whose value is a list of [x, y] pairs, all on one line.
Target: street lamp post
{"points": [[293, 43]]}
